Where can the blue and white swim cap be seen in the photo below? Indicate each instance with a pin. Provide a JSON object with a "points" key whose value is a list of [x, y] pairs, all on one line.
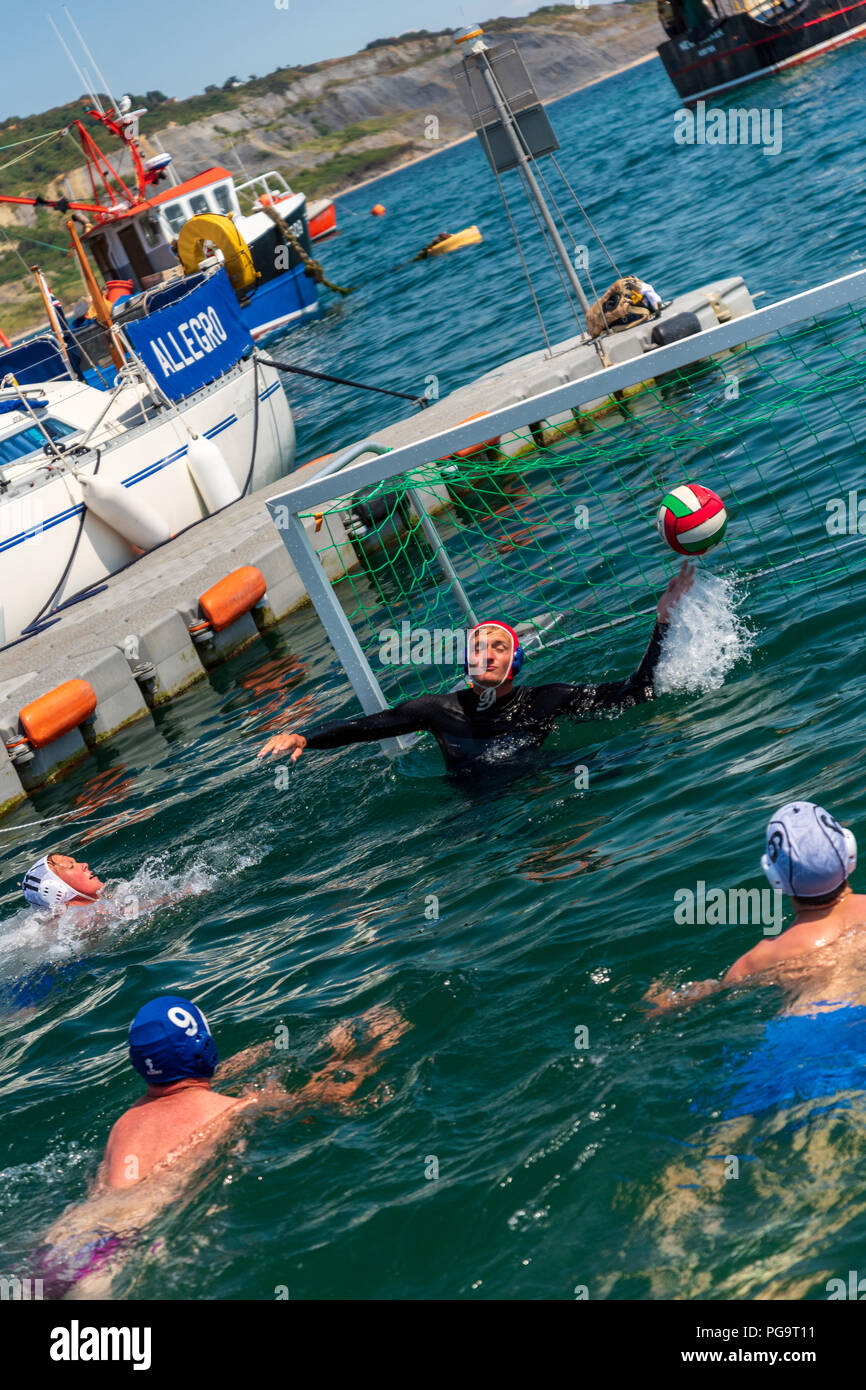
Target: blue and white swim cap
{"points": [[809, 854], [169, 1040], [43, 888]]}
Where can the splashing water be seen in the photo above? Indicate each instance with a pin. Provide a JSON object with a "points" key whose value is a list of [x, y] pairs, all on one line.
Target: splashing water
{"points": [[34, 936], [705, 638]]}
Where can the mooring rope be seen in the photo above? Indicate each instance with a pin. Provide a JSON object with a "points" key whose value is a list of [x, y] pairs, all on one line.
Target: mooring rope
{"points": [[311, 266], [420, 401]]}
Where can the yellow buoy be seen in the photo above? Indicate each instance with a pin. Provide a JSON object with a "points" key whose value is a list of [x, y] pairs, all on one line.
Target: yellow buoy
{"points": [[470, 236], [222, 233]]}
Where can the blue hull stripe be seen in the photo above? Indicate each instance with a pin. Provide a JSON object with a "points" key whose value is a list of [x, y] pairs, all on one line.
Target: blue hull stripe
{"points": [[134, 478]]}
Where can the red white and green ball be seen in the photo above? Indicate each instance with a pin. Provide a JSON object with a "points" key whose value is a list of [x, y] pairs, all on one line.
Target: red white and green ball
{"points": [[691, 519]]}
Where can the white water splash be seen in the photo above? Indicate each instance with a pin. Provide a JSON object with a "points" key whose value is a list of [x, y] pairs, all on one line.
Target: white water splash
{"points": [[34, 936], [706, 636]]}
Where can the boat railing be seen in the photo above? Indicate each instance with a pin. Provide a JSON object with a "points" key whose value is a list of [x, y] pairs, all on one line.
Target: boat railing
{"points": [[269, 185]]}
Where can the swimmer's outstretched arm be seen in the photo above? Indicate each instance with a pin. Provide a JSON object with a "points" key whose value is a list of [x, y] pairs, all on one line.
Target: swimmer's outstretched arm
{"points": [[664, 999], [638, 687], [761, 957], [340, 1078], [410, 717]]}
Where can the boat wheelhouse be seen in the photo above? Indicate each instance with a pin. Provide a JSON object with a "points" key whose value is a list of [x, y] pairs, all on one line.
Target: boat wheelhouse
{"points": [[137, 245], [141, 235]]}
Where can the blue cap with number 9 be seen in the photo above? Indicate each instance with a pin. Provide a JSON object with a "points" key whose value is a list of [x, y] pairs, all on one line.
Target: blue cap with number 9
{"points": [[169, 1040]]}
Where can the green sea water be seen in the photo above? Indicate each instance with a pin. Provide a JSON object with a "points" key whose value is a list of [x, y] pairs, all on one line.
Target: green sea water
{"points": [[535, 1133]]}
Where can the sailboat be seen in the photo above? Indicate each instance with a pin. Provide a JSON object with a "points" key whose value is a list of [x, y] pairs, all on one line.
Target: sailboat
{"points": [[93, 477]]}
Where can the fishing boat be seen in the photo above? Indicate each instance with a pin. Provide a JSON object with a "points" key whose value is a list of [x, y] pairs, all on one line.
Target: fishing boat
{"points": [[141, 235], [90, 478], [713, 45], [323, 218]]}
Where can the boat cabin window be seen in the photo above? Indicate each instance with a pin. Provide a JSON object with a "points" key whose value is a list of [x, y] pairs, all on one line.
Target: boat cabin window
{"points": [[175, 215], [223, 199], [27, 441], [199, 203], [151, 230]]}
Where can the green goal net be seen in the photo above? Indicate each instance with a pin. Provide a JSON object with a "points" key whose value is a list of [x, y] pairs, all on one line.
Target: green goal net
{"points": [[553, 527]]}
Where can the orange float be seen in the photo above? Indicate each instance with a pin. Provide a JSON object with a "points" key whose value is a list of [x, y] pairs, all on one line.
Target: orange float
{"points": [[54, 714], [378, 210], [474, 448], [233, 596], [117, 289]]}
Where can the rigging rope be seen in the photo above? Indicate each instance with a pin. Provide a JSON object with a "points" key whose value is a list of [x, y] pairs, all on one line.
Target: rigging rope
{"points": [[311, 266]]}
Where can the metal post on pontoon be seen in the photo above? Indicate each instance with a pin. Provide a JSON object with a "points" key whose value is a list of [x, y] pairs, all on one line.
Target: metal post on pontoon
{"points": [[520, 144]]}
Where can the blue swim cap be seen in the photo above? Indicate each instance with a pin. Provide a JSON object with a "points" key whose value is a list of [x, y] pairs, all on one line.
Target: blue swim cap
{"points": [[169, 1040]]}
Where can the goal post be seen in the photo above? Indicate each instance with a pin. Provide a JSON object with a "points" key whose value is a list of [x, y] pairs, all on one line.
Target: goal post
{"points": [[549, 521]]}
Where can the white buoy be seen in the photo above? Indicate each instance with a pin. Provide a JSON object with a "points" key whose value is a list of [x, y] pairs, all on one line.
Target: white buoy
{"points": [[211, 474], [131, 517]]}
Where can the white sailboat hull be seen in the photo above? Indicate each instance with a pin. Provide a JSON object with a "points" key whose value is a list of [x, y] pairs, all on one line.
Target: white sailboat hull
{"points": [[52, 547]]}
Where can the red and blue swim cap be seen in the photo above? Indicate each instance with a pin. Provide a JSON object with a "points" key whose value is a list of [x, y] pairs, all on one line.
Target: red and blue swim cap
{"points": [[169, 1040], [518, 655]]}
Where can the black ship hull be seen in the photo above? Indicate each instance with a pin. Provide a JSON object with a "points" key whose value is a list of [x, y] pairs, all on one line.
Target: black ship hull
{"points": [[721, 53]]}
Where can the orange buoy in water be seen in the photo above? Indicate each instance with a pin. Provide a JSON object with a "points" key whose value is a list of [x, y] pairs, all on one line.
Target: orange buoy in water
{"points": [[54, 714], [378, 210], [233, 596]]}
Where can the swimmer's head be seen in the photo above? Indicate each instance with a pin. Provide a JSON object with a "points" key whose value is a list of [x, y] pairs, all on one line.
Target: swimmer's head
{"points": [[493, 654], [809, 854], [58, 879], [169, 1040]]}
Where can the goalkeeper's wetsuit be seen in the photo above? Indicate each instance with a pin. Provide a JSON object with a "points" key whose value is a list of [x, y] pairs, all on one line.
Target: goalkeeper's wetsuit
{"points": [[468, 734]]}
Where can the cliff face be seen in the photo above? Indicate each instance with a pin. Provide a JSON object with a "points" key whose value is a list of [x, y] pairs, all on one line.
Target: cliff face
{"points": [[398, 100]]}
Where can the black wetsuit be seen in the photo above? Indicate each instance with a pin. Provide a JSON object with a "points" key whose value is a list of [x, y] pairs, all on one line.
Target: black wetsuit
{"points": [[519, 720]]}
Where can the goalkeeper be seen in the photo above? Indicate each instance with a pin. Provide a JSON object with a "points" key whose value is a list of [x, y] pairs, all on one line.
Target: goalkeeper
{"points": [[493, 719]]}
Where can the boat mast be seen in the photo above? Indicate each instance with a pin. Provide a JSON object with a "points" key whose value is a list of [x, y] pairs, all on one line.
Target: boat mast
{"points": [[96, 69], [515, 132], [84, 81], [103, 313], [52, 315]]}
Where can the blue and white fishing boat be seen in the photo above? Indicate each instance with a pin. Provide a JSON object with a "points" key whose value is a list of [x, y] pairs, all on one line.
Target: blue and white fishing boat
{"points": [[142, 235]]}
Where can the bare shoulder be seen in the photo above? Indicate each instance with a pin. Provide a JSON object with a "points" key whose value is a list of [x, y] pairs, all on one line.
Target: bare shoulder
{"points": [[128, 1122], [763, 956], [856, 913]]}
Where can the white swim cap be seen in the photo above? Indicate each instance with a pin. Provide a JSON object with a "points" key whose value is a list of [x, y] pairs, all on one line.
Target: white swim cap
{"points": [[809, 854], [42, 887]]}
